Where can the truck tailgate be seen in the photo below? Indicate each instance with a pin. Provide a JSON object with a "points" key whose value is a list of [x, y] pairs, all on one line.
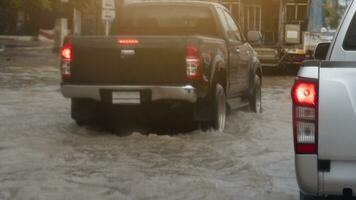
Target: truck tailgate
{"points": [[337, 111], [151, 60]]}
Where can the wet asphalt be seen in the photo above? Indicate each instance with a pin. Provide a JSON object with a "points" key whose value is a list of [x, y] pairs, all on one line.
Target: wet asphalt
{"points": [[45, 155]]}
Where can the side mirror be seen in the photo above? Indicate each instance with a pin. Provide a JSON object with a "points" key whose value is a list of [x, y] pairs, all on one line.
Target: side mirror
{"points": [[254, 37], [321, 51]]}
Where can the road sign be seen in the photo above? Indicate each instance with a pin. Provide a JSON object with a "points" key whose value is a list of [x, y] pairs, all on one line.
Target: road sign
{"points": [[108, 15], [108, 12], [108, 4]]}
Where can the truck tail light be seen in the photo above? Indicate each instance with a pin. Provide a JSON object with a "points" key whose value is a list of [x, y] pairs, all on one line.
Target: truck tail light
{"points": [[305, 116], [193, 64], [128, 41], [67, 52], [66, 59]]}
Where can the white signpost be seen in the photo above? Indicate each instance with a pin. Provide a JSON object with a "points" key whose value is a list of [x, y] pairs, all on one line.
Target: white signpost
{"points": [[108, 4], [108, 14]]}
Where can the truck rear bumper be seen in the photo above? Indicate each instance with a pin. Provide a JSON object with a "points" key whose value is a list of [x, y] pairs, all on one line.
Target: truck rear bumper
{"points": [[332, 182], [342, 175], [306, 167], [184, 93]]}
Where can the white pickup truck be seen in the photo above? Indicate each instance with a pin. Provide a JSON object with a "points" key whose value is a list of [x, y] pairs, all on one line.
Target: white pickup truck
{"points": [[324, 117]]}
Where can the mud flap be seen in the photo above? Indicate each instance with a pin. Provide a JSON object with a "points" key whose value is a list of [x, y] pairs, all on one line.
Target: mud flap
{"points": [[203, 111]]}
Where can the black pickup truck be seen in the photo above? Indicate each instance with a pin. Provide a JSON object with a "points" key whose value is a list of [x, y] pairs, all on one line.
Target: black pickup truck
{"points": [[166, 55]]}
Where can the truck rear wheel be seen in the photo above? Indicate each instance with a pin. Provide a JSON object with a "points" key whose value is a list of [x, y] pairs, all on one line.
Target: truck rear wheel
{"points": [[256, 97], [82, 110], [219, 104], [217, 110], [302, 196]]}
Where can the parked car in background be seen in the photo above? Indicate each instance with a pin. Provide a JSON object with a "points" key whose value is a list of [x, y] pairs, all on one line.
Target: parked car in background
{"points": [[164, 60], [324, 116]]}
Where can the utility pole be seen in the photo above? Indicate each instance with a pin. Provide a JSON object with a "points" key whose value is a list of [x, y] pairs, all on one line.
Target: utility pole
{"points": [[281, 22], [61, 27]]}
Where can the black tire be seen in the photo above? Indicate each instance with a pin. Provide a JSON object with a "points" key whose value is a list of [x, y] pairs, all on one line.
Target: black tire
{"points": [[302, 196], [82, 111], [219, 108], [255, 100]]}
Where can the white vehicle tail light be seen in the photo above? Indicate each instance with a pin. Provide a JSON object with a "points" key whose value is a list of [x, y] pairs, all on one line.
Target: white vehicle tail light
{"points": [[66, 58], [305, 115], [193, 64]]}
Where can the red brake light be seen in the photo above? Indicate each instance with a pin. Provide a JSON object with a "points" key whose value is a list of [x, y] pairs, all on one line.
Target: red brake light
{"points": [[67, 52], [67, 58], [192, 51], [128, 41], [305, 116], [192, 58], [305, 93]]}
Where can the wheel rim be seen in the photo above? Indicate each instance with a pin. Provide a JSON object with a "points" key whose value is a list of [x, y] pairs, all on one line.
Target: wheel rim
{"points": [[221, 109], [258, 97]]}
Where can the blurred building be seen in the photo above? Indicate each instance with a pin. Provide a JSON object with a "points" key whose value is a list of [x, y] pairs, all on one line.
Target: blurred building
{"points": [[266, 16]]}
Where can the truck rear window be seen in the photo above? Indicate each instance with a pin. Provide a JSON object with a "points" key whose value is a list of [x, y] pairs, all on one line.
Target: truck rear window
{"points": [[350, 39], [166, 20]]}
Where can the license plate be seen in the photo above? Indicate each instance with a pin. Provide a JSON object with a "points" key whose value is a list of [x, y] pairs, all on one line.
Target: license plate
{"points": [[126, 97]]}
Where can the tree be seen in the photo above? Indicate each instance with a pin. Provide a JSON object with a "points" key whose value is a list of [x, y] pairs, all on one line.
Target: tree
{"points": [[85, 5], [18, 4], [332, 14], [39, 4], [10, 4]]}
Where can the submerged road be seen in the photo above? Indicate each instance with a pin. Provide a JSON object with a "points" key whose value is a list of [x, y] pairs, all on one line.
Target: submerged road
{"points": [[45, 155]]}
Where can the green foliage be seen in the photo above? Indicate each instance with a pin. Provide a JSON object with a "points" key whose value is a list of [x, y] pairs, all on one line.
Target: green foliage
{"points": [[332, 15], [85, 4], [17, 4], [48, 4], [10, 4], [41, 4]]}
